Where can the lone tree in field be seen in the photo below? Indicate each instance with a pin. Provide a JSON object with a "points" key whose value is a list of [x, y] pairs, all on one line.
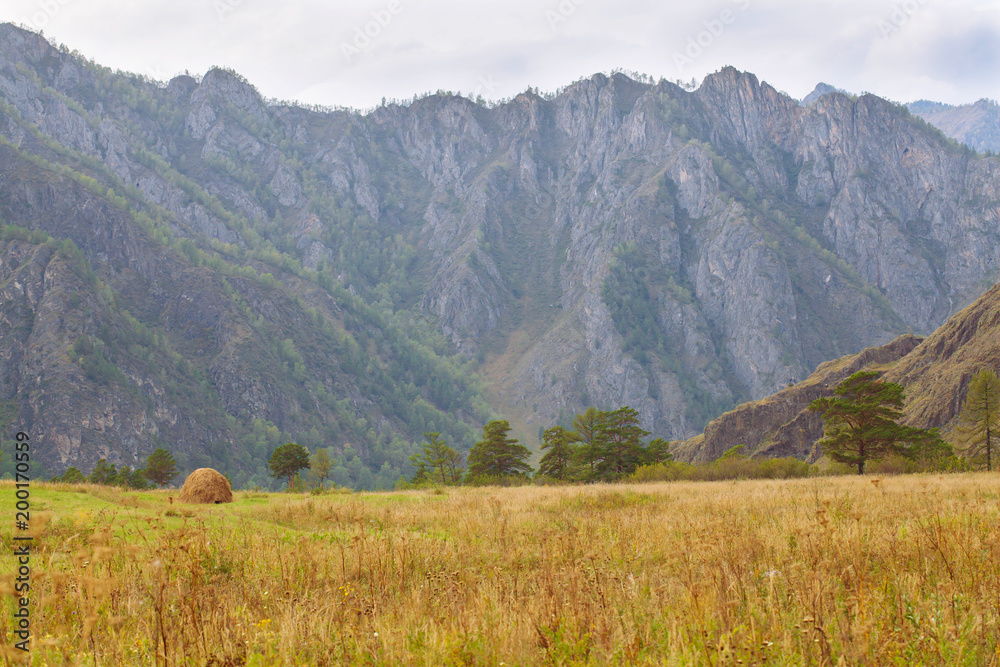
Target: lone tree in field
{"points": [[558, 461], [980, 416], [161, 468], [287, 460], [861, 422], [496, 455]]}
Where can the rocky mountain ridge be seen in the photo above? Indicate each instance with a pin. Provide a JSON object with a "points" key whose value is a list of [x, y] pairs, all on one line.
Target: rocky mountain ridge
{"points": [[621, 243], [977, 125]]}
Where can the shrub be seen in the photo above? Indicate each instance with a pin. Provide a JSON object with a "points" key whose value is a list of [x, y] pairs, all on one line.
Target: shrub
{"points": [[732, 465]]}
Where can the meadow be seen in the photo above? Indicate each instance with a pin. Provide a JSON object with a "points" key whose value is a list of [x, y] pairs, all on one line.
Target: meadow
{"points": [[823, 571]]}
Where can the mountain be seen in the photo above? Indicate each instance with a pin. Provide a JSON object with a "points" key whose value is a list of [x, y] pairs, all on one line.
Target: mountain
{"points": [[245, 271], [976, 125], [934, 371], [819, 91]]}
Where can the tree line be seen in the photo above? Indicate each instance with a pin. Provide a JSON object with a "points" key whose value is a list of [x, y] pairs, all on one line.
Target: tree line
{"points": [[861, 426], [602, 446], [160, 470]]}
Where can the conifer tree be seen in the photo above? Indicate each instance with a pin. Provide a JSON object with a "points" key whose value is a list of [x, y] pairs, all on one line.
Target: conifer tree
{"points": [[287, 460], [420, 473], [453, 465], [103, 472], [161, 467], [320, 465], [72, 476], [497, 455], [585, 425], [558, 461], [979, 421], [618, 443], [437, 456], [860, 423], [658, 451]]}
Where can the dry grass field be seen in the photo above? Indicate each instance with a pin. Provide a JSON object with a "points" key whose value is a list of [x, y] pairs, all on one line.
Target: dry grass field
{"points": [[825, 571]]}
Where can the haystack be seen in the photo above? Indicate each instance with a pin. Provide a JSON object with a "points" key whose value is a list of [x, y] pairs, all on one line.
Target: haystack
{"points": [[206, 485]]}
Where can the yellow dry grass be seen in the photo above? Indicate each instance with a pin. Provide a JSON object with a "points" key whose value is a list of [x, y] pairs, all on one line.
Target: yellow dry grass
{"points": [[825, 571]]}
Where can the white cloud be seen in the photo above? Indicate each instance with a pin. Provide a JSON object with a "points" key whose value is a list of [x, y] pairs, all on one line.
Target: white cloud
{"points": [[295, 49]]}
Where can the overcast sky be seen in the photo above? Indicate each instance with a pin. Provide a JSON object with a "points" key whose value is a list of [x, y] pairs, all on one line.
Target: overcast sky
{"points": [[355, 53]]}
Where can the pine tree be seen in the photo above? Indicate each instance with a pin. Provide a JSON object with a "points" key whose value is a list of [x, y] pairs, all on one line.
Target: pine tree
{"points": [[420, 472], [161, 467], [287, 460], [618, 443], [437, 456], [658, 451], [72, 476], [861, 423], [496, 455], [979, 421], [558, 461], [131, 479], [585, 424], [453, 465], [103, 472]]}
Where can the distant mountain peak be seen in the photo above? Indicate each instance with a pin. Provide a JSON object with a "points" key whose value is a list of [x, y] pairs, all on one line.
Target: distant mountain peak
{"points": [[819, 91]]}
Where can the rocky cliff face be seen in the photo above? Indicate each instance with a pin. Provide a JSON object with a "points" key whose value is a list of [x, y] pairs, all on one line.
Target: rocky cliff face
{"points": [[47, 307], [619, 243]]}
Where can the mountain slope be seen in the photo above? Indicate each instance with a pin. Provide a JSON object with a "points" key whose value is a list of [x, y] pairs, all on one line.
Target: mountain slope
{"points": [[976, 125], [937, 373], [934, 371], [781, 424], [620, 243]]}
